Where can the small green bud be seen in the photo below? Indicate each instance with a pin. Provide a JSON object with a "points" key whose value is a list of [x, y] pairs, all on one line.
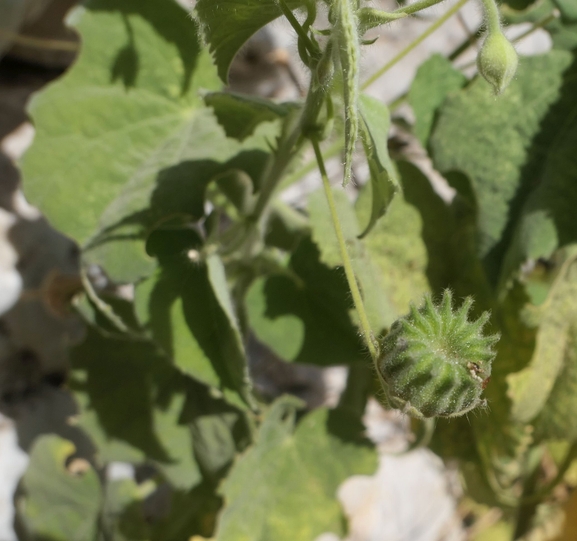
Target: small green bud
{"points": [[497, 61], [435, 362]]}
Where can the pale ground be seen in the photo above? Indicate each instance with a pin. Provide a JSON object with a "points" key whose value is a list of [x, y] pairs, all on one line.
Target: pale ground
{"points": [[412, 496]]}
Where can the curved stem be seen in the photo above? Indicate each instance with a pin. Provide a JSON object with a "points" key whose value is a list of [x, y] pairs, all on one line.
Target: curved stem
{"points": [[312, 48], [437, 24], [347, 264], [372, 17], [492, 14]]}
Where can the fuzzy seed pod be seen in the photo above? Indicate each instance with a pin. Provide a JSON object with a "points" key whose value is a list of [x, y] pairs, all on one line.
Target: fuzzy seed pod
{"points": [[435, 362], [497, 61]]}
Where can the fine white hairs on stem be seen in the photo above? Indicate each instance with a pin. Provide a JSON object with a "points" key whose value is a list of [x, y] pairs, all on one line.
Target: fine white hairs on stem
{"points": [[348, 47]]}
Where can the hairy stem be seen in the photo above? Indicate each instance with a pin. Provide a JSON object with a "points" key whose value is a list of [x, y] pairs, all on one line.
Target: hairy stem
{"points": [[372, 17], [347, 263], [492, 15], [435, 26], [311, 47], [347, 41]]}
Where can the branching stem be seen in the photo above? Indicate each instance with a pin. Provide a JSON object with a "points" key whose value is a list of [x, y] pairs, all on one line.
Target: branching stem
{"points": [[312, 48], [437, 24], [347, 263], [372, 17]]}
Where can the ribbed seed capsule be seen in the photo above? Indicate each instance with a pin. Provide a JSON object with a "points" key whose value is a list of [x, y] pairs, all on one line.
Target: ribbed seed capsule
{"points": [[435, 362]]}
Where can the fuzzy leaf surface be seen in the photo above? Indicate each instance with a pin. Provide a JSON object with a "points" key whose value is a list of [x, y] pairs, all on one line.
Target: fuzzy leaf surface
{"points": [[188, 309], [228, 24], [504, 144], [378, 305], [263, 496], [384, 182], [110, 132], [435, 80], [134, 415], [239, 114], [396, 248]]}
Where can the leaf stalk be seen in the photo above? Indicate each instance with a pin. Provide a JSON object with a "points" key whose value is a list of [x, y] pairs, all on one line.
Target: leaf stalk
{"points": [[347, 263]]}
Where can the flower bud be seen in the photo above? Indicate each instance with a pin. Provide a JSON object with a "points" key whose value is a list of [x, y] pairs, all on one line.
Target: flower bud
{"points": [[435, 362], [497, 61]]}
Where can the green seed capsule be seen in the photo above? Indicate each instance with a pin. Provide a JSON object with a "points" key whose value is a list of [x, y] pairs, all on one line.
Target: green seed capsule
{"points": [[435, 362], [497, 61]]}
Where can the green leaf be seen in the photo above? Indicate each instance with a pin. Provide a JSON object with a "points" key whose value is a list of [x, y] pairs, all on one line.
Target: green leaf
{"points": [[188, 310], [435, 80], [214, 443], [123, 517], [264, 499], [449, 233], [134, 415], [568, 9], [563, 30], [110, 134], [376, 121], [239, 115], [497, 143], [59, 504], [547, 219], [396, 248], [502, 442], [378, 305], [303, 314], [548, 382], [227, 24], [120, 131]]}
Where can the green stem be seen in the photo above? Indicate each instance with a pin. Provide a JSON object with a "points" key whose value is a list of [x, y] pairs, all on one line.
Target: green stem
{"points": [[539, 24], [273, 175], [417, 6], [371, 17], [492, 14], [347, 263], [435, 26], [288, 147], [312, 48], [330, 152]]}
